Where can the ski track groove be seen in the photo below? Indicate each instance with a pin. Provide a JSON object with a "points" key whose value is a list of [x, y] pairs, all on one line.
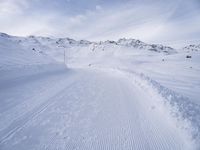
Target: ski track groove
{"points": [[30, 115], [29, 101]]}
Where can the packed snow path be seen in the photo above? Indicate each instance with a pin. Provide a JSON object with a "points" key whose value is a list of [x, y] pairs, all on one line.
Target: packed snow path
{"points": [[82, 109]]}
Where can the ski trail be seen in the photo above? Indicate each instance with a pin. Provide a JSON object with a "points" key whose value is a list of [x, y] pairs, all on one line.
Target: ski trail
{"points": [[18, 124], [97, 111]]}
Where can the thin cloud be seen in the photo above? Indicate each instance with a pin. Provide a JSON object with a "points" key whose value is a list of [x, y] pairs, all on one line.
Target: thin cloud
{"points": [[148, 20]]}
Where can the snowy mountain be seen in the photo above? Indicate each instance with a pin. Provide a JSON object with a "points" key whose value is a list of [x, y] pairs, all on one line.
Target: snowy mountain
{"points": [[141, 45], [190, 48], [13, 54], [54, 47], [123, 94]]}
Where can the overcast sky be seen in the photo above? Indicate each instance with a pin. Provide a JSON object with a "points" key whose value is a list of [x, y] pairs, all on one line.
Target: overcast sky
{"points": [[164, 21]]}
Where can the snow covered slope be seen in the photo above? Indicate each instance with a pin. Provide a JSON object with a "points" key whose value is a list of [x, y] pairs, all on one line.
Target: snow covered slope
{"points": [[86, 109], [18, 62], [13, 55], [54, 47], [192, 48], [123, 94]]}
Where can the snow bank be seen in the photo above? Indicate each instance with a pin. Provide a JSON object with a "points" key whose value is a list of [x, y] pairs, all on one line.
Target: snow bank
{"points": [[185, 112], [182, 107]]}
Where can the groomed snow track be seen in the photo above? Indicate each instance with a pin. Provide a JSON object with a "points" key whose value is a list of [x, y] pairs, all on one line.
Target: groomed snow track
{"points": [[85, 109]]}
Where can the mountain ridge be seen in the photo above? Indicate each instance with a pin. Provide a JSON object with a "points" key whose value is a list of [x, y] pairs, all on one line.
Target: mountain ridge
{"points": [[63, 42]]}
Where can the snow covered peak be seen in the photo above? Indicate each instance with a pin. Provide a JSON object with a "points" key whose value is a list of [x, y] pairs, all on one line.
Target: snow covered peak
{"points": [[160, 48], [192, 48], [4, 35], [84, 42], [130, 42], [68, 42], [55, 47], [141, 45]]}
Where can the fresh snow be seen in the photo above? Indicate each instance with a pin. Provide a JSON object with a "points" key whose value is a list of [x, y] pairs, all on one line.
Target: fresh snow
{"points": [[123, 94]]}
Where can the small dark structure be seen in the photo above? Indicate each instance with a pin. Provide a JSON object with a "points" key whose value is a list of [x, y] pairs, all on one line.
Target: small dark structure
{"points": [[188, 56]]}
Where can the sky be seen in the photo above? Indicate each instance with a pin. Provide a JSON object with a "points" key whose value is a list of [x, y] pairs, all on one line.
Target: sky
{"points": [[158, 21]]}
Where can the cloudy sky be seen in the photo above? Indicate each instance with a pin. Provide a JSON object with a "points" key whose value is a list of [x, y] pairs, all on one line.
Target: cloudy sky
{"points": [[164, 21]]}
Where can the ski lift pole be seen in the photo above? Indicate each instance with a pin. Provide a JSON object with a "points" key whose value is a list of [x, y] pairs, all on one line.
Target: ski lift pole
{"points": [[65, 58]]}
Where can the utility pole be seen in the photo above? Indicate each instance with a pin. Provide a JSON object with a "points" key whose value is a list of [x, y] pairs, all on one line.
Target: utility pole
{"points": [[65, 58]]}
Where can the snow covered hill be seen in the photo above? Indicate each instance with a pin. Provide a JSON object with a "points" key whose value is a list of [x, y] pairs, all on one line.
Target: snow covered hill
{"points": [[14, 55], [17, 61], [54, 47], [192, 48], [123, 94]]}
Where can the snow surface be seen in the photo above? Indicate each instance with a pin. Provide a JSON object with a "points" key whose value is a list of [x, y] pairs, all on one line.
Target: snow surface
{"points": [[122, 94]]}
